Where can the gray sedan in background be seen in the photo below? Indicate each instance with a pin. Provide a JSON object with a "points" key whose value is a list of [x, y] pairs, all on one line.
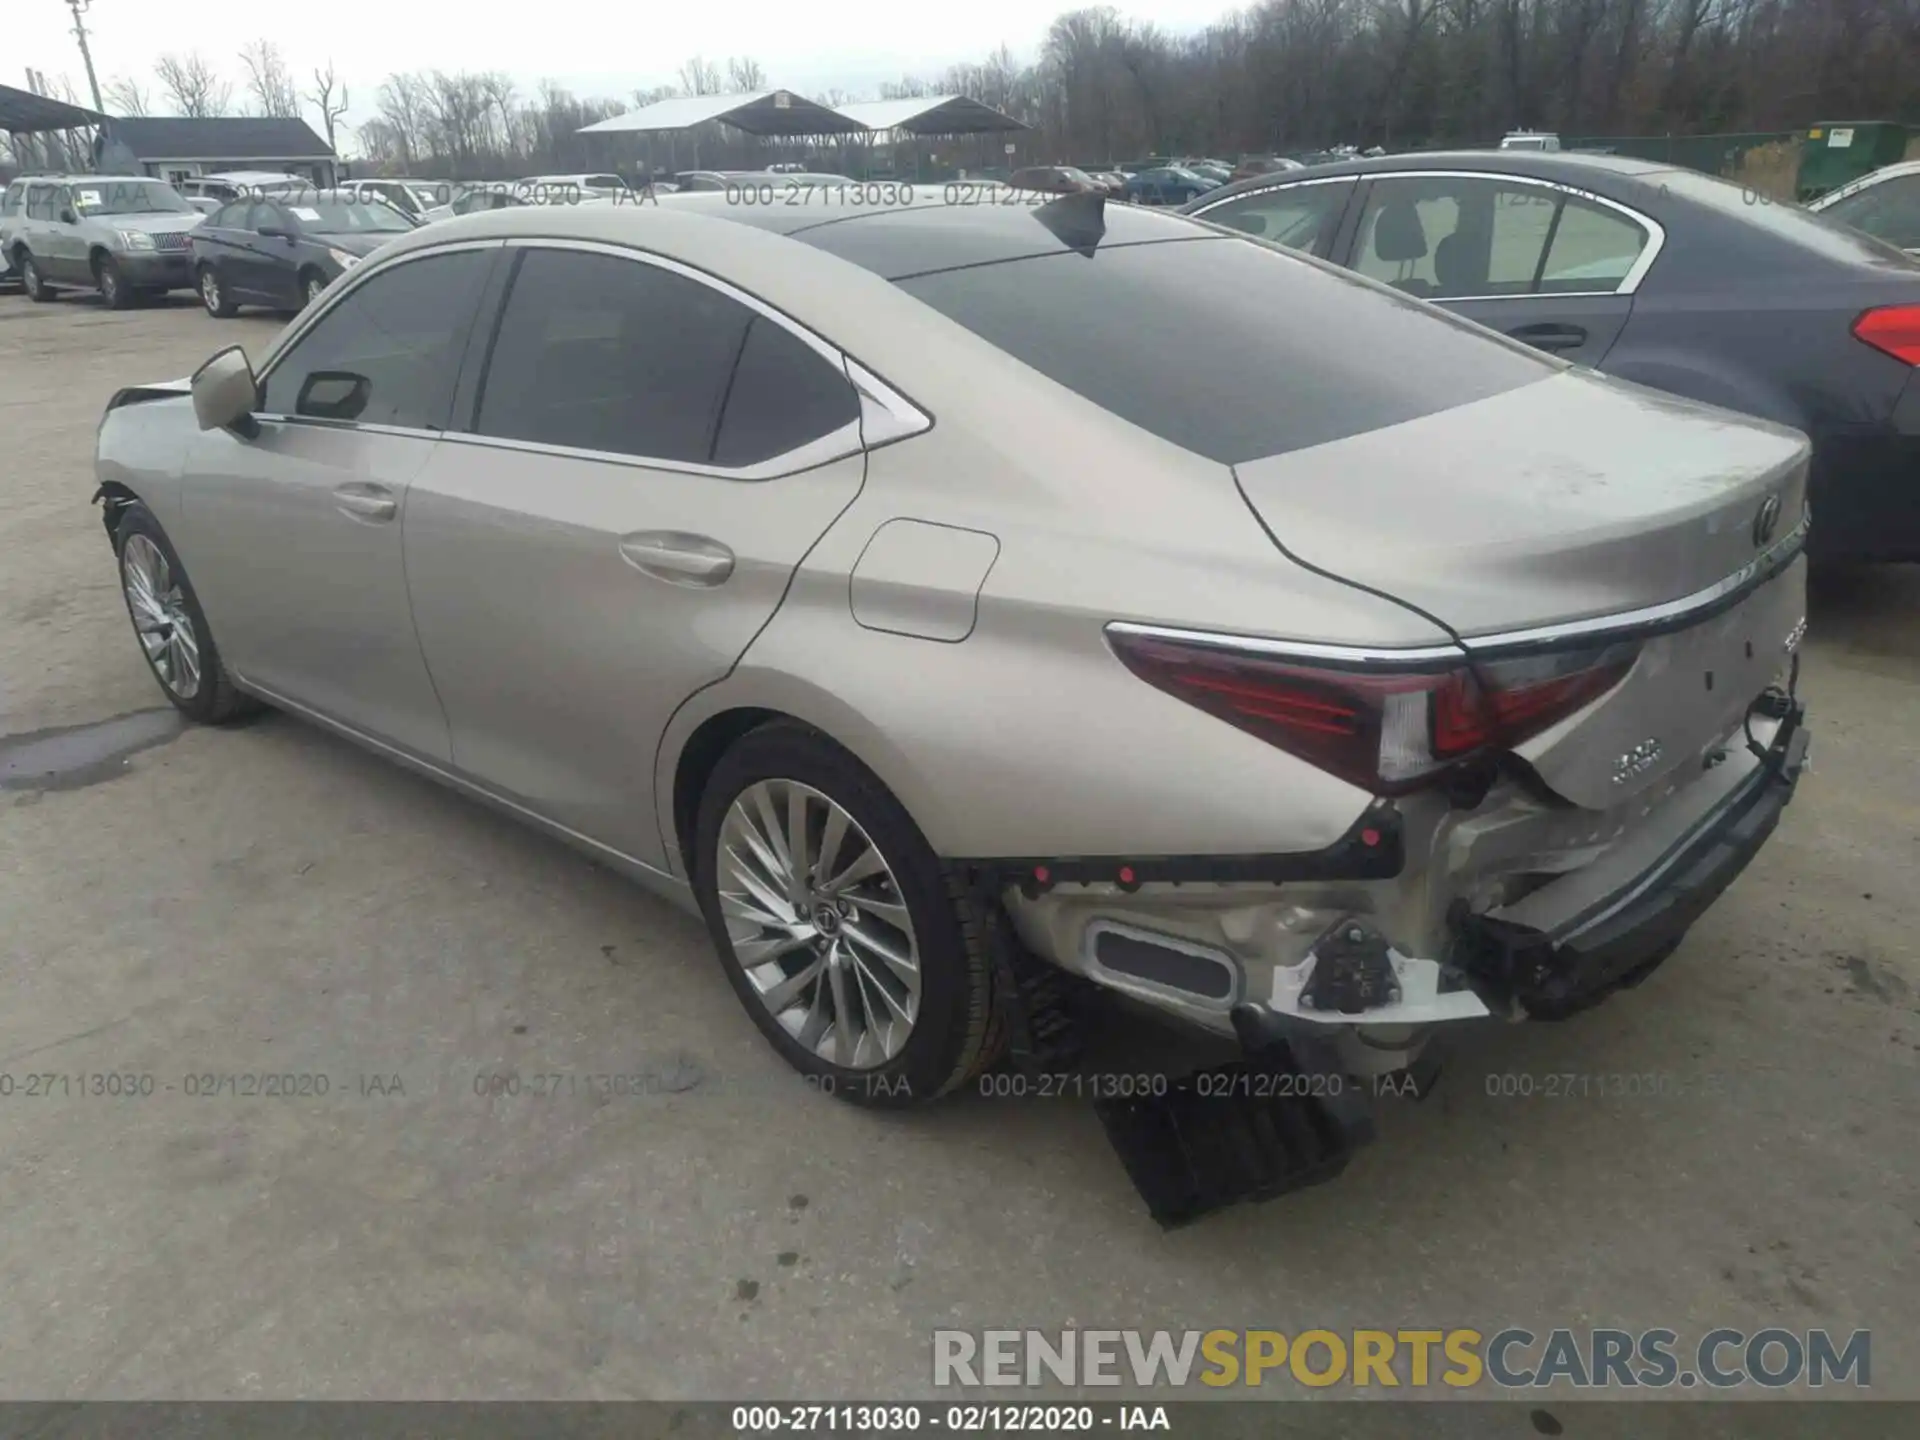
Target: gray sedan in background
{"points": [[1652, 273], [854, 576]]}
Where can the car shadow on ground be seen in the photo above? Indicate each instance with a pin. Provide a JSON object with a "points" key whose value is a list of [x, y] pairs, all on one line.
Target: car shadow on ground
{"points": [[1865, 607]]}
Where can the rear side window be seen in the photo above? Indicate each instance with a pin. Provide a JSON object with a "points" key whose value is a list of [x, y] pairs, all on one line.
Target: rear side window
{"points": [[1453, 237], [602, 353], [596, 352], [1230, 348], [1889, 211], [784, 394], [402, 332], [1300, 216]]}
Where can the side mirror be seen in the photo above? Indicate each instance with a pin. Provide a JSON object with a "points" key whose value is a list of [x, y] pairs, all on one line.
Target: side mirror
{"points": [[333, 395], [67, 217], [225, 393], [273, 232]]}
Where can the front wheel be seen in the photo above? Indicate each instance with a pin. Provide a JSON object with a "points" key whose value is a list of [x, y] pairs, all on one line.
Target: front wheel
{"points": [[311, 287], [113, 285], [169, 623], [836, 923]]}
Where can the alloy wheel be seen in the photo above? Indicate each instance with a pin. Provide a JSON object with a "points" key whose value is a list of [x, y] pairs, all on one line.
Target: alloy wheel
{"points": [[109, 284], [210, 292], [160, 616], [314, 286], [818, 924]]}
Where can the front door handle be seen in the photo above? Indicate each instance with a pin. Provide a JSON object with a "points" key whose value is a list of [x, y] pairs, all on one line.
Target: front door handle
{"points": [[1551, 336], [677, 557], [360, 501]]}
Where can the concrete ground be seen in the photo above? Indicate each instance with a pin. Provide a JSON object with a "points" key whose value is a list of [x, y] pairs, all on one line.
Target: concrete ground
{"points": [[270, 899]]}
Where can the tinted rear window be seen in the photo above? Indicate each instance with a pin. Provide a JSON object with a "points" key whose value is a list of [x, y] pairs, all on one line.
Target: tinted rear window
{"points": [[1228, 347]]}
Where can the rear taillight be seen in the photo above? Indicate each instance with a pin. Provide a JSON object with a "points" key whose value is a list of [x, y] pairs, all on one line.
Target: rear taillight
{"points": [[1386, 730], [1894, 329]]}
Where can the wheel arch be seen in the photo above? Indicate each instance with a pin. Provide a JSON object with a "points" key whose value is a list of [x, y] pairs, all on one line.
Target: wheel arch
{"points": [[712, 721], [114, 498], [95, 255]]}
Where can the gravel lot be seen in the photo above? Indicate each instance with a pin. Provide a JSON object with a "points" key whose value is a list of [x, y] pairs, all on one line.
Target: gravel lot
{"points": [[271, 899]]}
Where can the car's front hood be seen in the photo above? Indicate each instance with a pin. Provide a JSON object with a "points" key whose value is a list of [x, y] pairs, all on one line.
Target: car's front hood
{"points": [[1574, 497], [161, 223], [359, 243]]}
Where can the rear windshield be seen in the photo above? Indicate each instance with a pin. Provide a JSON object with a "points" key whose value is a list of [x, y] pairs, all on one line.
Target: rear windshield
{"points": [[1228, 347], [1781, 218]]}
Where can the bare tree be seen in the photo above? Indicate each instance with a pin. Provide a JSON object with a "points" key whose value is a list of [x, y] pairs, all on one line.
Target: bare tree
{"points": [[125, 95], [329, 97], [193, 85], [269, 81], [700, 77], [745, 77]]}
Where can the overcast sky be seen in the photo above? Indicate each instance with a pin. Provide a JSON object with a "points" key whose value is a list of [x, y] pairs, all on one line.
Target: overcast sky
{"points": [[592, 48]]}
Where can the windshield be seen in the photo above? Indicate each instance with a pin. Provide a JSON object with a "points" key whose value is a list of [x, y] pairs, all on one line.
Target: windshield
{"points": [[332, 215], [128, 197]]}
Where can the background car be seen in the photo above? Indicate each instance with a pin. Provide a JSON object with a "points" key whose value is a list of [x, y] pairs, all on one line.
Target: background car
{"points": [[1884, 204], [12, 201], [209, 192], [473, 199], [1167, 185], [1253, 165], [413, 198], [1652, 273], [124, 235], [280, 253], [602, 186], [1054, 180]]}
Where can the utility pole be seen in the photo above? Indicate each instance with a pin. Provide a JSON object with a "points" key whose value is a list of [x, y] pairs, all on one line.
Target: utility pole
{"points": [[79, 8]]}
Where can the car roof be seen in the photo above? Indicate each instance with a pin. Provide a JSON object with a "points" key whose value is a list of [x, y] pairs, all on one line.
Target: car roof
{"points": [[941, 227], [1565, 166]]}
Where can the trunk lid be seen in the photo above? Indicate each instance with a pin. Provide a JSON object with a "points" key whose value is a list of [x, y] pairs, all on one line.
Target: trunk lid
{"points": [[1575, 497], [1578, 498]]}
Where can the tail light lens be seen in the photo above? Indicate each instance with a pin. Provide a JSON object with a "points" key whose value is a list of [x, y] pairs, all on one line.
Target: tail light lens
{"points": [[1894, 329], [1386, 731]]}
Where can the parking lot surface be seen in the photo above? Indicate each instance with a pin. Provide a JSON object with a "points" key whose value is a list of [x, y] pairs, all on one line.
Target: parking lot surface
{"points": [[193, 905]]}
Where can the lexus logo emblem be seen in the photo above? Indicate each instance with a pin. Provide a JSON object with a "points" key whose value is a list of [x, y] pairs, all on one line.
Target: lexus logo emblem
{"points": [[1766, 520]]}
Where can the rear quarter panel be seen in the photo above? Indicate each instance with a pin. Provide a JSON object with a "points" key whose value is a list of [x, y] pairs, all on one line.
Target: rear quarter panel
{"points": [[1028, 737]]}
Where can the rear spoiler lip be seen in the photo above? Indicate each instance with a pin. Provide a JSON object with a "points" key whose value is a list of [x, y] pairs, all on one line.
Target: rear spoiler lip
{"points": [[1641, 624]]}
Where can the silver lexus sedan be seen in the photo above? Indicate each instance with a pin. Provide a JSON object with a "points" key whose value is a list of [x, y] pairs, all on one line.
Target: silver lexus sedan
{"points": [[933, 594]]}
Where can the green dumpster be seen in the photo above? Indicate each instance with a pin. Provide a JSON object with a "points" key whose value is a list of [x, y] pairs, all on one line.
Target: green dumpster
{"points": [[1840, 152]]}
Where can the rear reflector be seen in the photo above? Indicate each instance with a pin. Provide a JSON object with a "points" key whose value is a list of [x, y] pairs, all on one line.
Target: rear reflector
{"points": [[1388, 731], [1894, 329]]}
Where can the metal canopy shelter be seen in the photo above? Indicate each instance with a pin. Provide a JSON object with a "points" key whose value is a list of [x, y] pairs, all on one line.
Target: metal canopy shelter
{"points": [[24, 113], [772, 112], [40, 129], [932, 115]]}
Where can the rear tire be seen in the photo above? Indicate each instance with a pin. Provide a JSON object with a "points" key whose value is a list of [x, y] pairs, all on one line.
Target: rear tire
{"points": [[33, 282], [170, 625], [831, 994], [213, 294]]}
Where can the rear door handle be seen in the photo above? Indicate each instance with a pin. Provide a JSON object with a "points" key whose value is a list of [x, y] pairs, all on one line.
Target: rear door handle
{"points": [[677, 557], [362, 501], [1551, 336]]}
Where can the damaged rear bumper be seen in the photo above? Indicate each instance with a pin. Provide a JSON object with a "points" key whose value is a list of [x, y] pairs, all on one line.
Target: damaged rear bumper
{"points": [[1548, 961]]}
